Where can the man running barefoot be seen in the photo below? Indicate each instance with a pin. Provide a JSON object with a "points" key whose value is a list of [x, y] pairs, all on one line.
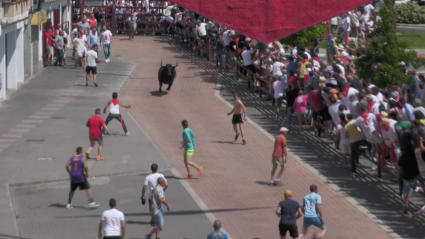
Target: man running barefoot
{"points": [[95, 124], [114, 112], [75, 166], [189, 147], [238, 117], [279, 155]]}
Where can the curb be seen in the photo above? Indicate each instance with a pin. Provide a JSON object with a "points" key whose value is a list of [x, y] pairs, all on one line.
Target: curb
{"points": [[410, 25]]}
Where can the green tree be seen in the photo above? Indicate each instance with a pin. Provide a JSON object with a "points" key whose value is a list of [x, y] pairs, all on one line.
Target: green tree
{"points": [[385, 52], [305, 37]]}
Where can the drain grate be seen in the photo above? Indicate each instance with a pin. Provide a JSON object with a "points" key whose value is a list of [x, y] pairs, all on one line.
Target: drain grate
{"points": [[34, 140], [44, 158], [57, 117]]}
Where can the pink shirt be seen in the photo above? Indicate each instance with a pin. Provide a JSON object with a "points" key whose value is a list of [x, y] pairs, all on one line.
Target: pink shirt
{"points": [[300, 103]]}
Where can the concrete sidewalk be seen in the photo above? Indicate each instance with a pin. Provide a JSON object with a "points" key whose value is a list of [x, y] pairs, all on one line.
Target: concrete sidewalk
{"points": [[42, 124]]}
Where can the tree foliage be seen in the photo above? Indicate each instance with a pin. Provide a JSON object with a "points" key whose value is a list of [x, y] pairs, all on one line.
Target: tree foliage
{"points": [[305, 37], [385, 52]]}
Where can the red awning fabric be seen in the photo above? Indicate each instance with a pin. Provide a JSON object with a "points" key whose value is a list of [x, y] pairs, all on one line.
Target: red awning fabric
{"points": [[269, 20]]}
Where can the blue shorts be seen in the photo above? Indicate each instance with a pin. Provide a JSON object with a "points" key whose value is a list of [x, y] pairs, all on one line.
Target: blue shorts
{"points": [[159, 220], [315, 221]]}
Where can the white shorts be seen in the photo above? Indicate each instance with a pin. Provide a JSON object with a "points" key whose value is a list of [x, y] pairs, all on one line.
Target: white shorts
{"points": [[345, 148], [169, 19]]}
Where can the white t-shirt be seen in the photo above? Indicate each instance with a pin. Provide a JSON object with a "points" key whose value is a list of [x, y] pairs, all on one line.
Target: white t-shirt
{"points": [[341, 131], [341, 68], [380, 97], [152, 180], [334, 21], [374, 109], [277, 68], [334, 112], [112, 219], [201, 29], [375, 99], [91, 58], [346, 99], [390, 136], [81, 43], [368, 8], [226, 37], [368, 126], [106, 37], [278, 88], [247, 57], [346, 24]]}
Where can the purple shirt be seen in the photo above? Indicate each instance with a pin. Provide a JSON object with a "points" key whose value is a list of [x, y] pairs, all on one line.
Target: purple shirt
{"points": [[77, 169]]}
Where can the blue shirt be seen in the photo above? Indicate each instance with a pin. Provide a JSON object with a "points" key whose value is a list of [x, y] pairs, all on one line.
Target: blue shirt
{"points": [[217, 235], [93, 39], [409, 111], [284, 79], [292, 66], [188, 134], [309, 202]]}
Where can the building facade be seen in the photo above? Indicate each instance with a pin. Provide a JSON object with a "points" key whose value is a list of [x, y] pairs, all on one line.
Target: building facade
{"points": [[22, 42]]}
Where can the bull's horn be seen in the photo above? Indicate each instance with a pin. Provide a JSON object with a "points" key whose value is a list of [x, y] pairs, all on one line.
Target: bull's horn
{"points": [[161, 63], [177, 63]]}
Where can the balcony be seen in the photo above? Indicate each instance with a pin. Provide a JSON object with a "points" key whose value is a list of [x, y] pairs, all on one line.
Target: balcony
{"points": [[15, 10]]}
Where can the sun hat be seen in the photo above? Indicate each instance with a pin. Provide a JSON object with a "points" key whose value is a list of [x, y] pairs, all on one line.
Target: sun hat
{"points": [[283, 129]]}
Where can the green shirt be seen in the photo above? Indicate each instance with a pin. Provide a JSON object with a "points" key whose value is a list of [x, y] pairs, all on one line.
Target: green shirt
{"points": [[403, 127], [188, 134]]}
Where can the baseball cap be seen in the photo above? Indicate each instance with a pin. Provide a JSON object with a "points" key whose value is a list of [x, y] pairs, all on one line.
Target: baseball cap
{"points": [[288, 193]]}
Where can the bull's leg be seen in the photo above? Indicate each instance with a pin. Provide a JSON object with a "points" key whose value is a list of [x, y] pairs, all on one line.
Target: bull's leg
{"points": [[160, 86], [169, 86]]}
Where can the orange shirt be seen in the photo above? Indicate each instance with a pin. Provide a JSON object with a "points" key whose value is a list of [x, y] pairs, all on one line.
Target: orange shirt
{"points": [[279, 143]]}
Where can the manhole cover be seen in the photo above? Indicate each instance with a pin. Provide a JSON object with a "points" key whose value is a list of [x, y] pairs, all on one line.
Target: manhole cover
{"points": [[34, 140], [57, 117], [44, 158]]}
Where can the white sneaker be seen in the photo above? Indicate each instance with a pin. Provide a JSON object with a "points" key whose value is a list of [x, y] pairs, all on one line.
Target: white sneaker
{"points": [[93, 205], [418, 189], [127, 134], [69, 206]]}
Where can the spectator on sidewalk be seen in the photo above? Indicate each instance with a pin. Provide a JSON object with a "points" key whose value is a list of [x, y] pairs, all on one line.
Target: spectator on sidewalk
{"points": [[289, 211], [158, 201], [49, 51], [93, 38], [279, 156], [217, 234], [85, 26], [106, 42], [344, 140], [353, 132], [150, 182], [112, 222], [300, 105], [291, 95], [95, 124], [59, 41], [91, 64], [312, 209], [80, 43], [279, 91]]}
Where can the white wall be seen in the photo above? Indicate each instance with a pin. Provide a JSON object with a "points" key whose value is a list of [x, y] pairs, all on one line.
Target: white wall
{"points": [[11, 60], [3, 66], [20, 71]]}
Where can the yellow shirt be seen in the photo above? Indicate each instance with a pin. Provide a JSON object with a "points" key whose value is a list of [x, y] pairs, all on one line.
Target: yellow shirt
{"points": [[353, 131]]}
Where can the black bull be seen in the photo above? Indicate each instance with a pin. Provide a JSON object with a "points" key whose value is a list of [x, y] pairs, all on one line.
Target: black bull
{"points": [[166, 75]]}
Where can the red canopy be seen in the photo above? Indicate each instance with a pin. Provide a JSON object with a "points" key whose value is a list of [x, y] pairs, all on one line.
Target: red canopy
{"points": [[269, 20]]}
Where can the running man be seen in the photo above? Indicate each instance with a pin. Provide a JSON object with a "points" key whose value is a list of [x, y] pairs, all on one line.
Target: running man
{"points": [[189, 147], [238, 117], [114, 112], [158, 200], [91, 64], [312, 209], [288, 211], [95, 124], [78, 172], [151, 181], [279, 155]]}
